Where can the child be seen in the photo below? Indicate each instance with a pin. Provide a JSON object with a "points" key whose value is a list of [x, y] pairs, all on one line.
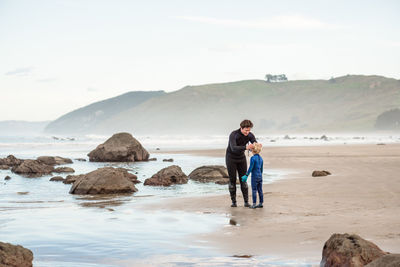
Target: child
{"points": [[256, 170]]}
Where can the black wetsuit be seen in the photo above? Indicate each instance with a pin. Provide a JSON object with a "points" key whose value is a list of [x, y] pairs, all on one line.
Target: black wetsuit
{"points": [[236, 162]]}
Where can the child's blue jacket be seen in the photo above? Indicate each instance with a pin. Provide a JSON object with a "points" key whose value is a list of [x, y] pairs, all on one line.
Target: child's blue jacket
{"points": [[256, 167]]}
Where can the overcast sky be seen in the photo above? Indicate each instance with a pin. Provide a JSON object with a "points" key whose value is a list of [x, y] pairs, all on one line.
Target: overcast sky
{"points": [[56, 56]]}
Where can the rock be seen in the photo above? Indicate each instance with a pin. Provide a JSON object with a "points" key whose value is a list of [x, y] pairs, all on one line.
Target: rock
{"points": [[64, 169], [320, 173], [54, 160], [168, 160], [167, 176], [287, 137], [4, 167], [324, 137], [121, 147], [210, 173], [15, 256], [390, 260], [22, 193], [157, 148], [105, 180], [152, 159], [70, 179], [32, 168], [57, 179], [11, 161], [80, 159], [7, 178], [349, 250]]}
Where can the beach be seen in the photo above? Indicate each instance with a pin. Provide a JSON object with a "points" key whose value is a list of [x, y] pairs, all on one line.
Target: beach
{"points": [[362, 196]]}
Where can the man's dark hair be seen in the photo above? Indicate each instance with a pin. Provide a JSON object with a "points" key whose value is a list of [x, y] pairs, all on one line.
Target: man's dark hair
{"points": [[246, 124]]}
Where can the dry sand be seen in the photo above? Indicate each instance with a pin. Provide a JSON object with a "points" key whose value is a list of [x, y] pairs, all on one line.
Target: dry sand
{"points": [[300, 212]]}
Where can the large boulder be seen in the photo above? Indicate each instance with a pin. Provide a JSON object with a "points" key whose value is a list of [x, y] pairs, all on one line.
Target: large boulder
{"points": [[15, 256], [105, 180], [211, 173], [49, 160], [121, 147], [349, 250], [167, 176], [390, 260], [11, 161], [32, 168]]}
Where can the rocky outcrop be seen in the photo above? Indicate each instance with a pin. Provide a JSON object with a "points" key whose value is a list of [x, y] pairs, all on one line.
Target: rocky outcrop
{"points": [[349, 250], [390, 260], [63, 169], [32, 168], [106, 180], [15, 256], [212, 173], [320, 173], [11, 161], [4, 167], [49, 160], [167, 176], [121, 147]]}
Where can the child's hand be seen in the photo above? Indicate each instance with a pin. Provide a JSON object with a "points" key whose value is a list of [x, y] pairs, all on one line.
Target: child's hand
{"points": [[244, 178]]}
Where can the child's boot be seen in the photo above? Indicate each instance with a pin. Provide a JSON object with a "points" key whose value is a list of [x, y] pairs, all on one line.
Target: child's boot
{"points": [[260, 205]]}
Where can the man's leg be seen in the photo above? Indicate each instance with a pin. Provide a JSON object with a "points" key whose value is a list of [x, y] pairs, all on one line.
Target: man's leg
{"points": [[242, 169], [231, 167]]}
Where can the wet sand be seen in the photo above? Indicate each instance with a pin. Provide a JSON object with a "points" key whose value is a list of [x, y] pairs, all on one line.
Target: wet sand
{"points": [[300, 212]]}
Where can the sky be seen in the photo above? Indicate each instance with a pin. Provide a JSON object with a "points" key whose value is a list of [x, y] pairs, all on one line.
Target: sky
{"points": [[57, 56]]}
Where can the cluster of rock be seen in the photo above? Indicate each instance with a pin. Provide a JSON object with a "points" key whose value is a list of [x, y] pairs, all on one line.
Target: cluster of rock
{"points": [[15, 256], [35, 167], [354, 251]]}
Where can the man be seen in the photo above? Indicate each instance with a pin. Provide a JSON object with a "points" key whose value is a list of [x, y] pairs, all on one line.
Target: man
{"points": [[236, 159]]}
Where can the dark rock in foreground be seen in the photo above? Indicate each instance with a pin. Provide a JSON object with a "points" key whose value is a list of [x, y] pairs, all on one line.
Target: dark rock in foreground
{"points": [[212, 173], [64, 169], [320, 173], [57, 179], [32, 168], [390, 260], [49, 160], [11, 161], [121, 147], [7, 178], [15, 256], [349, 250], [167, 176], [106, 180]]}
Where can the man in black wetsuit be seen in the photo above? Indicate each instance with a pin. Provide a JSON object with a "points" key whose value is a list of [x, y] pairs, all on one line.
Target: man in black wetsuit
{"points": [[236, 159]]}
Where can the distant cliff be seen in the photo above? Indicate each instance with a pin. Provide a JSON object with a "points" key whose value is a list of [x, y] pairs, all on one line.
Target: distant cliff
{"points": [[342, 104]]}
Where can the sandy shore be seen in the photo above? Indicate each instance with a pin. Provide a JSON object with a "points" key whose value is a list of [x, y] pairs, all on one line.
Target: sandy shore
{"points": [[300, 213]]}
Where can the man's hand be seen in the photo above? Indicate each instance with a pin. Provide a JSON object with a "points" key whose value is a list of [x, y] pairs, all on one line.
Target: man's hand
{"points": [[249, 146]]}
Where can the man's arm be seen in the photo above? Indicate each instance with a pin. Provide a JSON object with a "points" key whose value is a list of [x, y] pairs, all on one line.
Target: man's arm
{"points": [[252, 138], [232, 143]]}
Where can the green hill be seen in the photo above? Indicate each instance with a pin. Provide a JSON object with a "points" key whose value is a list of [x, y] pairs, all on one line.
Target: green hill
{"points": [[85, 119], [343, 104]]}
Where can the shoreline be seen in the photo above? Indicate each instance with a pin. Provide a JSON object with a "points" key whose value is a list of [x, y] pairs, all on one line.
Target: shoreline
{"points": [[301, 212]]}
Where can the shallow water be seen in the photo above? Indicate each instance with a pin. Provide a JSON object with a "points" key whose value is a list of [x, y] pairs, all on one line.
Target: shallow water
{"points": [[71, 230]]}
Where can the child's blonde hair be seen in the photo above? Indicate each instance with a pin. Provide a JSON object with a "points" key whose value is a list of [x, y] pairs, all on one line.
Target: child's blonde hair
{"points": [[257, 148]]}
